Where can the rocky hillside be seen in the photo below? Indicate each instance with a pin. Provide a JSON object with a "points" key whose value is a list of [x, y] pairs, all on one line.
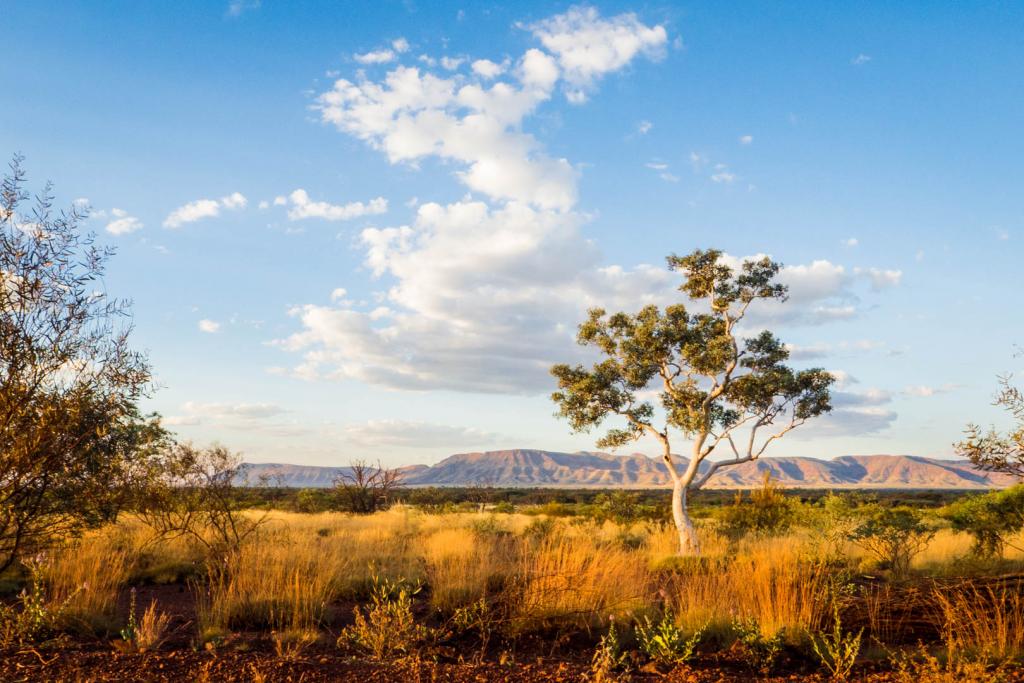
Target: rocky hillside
{"points": [[581, 470]]}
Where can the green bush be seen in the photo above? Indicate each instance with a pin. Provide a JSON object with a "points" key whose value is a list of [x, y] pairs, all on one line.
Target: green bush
{"points": [[767, 510], [894, 536], [990, 518]]}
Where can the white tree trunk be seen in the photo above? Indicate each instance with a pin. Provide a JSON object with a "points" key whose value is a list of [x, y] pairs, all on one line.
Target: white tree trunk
{"points": [[688, 543]]}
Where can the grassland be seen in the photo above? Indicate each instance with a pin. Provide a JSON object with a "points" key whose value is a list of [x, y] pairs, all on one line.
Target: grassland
{"points": [[482, 595]]}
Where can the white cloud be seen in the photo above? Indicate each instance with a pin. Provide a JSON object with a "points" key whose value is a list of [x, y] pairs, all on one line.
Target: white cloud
{"points": [[746, 139], [723, 177], [122, 224], [263, 205], [809, 352], [860, 59], [657, 165], [411, 114], [488, 69], [588, 46], [303, 207], [209, 326], [249, 416], [204, 208], [880, 278], [376, 57], [644, 127], [452, 63], [338, 294], [483, 296], [238, 7], [851, 242], [924, 391], [403, 434], [400, 45], [235, 200]]}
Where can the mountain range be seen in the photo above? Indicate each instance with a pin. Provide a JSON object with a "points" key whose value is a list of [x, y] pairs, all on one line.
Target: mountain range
{"points": [[537, 468]]}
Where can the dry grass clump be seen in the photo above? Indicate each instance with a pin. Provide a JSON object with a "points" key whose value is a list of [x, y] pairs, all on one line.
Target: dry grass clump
{"points": [[278, 582], [84, 578], [985, 623], [462, 566], [768, 581], [577, 580]]}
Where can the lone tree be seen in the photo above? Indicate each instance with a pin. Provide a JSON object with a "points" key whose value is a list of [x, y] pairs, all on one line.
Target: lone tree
{"points": [[366, 488], [70, 432], [712, 384]]}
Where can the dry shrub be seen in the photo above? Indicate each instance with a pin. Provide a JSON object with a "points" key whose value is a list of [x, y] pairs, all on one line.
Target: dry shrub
{"points": [[576, 580], [984, 623]]}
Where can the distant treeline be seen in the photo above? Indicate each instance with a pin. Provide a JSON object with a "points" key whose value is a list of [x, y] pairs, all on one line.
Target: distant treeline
{"points": [[566, 501]]}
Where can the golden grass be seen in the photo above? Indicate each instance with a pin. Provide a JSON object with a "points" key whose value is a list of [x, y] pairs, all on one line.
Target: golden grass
{"points": [[277, 581], [985, 622], [533, 573], [770, 581], [581, 580], [83, 579]]}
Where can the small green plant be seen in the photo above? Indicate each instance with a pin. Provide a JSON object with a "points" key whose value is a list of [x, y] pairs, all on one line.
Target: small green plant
{"points": [[477, 617], [33, 617], [664, 642], [388, 627], [609, 658], [837, 650], [761, 651]]}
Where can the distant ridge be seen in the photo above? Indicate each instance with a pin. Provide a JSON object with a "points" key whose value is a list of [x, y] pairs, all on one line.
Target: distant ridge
{"points": [[535, 468]]}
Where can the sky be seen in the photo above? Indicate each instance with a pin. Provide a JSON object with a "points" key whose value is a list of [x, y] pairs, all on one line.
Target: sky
{"points": [[366, 230]]}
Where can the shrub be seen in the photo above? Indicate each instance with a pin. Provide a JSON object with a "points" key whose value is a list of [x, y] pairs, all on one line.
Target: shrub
{"points": [[664, 642], [388, 627], [608, 658], [989, 518], [767, 511], [761, 651], [34, 616], [838, 649], [620, 507], [894, 536]]}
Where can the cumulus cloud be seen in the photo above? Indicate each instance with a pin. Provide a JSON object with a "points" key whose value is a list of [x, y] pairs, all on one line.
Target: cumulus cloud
{"points": [[860, 59], [411, 114], [204, 208], [303, 207], [588, 46], [376, 57], [122, 223], [403, 434], [880, 278], [488, 69], [209, 326], [746, 139], [484, 294]]}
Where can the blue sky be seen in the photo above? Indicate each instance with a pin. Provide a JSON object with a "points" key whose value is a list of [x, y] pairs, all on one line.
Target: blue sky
{"points": [[367, 229]]}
